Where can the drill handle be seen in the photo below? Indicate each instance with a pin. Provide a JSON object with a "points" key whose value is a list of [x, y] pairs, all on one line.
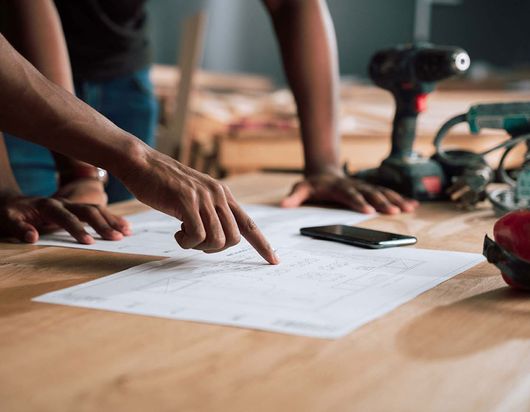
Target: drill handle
{"points": [[403, 132]]}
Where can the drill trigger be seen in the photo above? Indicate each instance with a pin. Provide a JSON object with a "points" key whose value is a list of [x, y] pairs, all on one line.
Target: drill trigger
{"points": [[421, 102]]}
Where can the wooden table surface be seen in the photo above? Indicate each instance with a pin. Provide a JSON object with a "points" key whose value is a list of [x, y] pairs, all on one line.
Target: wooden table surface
{"points": [[462, 346]]}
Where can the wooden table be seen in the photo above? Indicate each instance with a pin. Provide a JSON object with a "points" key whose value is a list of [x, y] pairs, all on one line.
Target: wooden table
{"points": [[463, 346]]}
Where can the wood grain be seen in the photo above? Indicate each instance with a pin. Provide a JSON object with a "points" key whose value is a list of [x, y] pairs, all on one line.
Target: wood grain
{"points": [[462, 346]]}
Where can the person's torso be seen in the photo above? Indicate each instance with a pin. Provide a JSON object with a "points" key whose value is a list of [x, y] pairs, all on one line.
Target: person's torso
{"points": [[106, 38]]}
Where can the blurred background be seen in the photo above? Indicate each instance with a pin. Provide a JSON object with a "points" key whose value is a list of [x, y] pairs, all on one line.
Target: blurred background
{"points": [[235, 114], [239, 36]]}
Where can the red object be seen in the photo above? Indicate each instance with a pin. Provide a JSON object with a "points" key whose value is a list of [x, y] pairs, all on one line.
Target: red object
{"points": [[512, 232], [432, 184], [421, 103]]}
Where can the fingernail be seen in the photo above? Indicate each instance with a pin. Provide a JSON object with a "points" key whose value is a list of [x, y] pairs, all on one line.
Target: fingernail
{"points": [[394, 210], [115, 233], [276, 257], [29, 236], [87, 239]]}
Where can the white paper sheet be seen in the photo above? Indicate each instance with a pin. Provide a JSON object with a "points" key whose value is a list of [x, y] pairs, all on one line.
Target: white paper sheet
{"points": [[320, 289], [153, 231]]}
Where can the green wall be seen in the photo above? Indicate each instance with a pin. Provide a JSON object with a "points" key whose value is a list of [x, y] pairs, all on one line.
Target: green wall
{"points": [[239, 36]]}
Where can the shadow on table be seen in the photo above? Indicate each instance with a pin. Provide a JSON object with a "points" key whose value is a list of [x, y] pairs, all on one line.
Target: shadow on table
{"points": [[467, 326], [17, 299], [36, 273]]}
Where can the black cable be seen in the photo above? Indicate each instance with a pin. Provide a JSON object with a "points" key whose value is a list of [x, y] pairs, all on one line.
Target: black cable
{"points": [[504, 200], [442, 132], [513, 143], [461, 118]]}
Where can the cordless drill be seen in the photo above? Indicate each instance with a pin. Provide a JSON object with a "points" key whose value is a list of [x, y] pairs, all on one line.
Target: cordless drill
{"points": [[410, 73]]}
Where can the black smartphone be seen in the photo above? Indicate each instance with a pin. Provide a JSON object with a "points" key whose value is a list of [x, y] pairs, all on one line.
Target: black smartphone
{"points": [[357, 236]]}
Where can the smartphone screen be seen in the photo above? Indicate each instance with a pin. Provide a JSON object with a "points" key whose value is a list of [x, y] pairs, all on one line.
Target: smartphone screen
{"points": [[358, 236]]}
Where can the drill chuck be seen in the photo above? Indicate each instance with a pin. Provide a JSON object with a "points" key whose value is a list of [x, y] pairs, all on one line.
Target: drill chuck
{"points": [[412, 65], [435, 64]]}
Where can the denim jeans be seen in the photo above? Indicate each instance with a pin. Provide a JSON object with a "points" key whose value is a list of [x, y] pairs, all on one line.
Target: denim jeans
{"points": [[128, 101]]}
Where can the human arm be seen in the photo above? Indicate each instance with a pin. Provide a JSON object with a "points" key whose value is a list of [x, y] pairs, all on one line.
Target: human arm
{"points": [[35, 109], [35, 30], [307, 42], [8, 183]]}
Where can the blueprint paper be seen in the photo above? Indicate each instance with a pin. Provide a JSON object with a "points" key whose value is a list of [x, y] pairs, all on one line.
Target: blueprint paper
{"points": [[153, 231], [320, 289]]}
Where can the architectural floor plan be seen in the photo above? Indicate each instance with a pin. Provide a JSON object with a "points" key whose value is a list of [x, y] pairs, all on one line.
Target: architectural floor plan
{"points": [[320, 289]]}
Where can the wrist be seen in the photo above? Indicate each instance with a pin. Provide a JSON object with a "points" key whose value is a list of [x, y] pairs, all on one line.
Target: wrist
{"points": [[83, 172], [9, 194], [132, 159], [318, 169], [82, 183], [321, 155], [8, 185]]}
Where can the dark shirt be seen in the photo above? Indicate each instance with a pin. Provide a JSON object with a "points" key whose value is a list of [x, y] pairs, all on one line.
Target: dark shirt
{"points": [[106, 38], [3, 18]]}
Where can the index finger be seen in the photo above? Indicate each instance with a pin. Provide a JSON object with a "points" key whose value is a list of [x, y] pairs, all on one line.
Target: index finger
{"points": [[249, 230]]}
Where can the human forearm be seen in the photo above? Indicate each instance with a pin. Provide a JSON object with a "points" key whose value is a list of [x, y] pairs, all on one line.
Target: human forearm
{"points": [[307, 42], [8, 184], [35, 30], [42, 112]]}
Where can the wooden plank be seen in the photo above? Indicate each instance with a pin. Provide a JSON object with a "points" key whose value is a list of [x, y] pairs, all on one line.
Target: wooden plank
{"points": [[285, 152], [166, 78], [191, 48]]}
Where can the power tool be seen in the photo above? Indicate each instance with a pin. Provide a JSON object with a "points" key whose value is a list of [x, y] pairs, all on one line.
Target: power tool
{"points": [[410, 73], [467, 173]]}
